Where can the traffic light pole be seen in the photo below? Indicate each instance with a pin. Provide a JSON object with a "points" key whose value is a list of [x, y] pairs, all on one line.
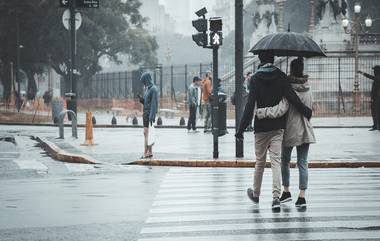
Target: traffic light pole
{"points": [[215, 104], [72, 46], [239, 46]]}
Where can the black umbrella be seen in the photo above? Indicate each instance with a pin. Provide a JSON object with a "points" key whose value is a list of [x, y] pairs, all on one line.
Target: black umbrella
{"points": [[288, 44]]}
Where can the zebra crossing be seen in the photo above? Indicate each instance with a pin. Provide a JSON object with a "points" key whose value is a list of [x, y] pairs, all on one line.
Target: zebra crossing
{"points": [[211, 204]]}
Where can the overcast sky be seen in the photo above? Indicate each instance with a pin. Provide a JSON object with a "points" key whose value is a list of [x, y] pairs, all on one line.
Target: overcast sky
{"points": [[183, 11], [175, 6]]}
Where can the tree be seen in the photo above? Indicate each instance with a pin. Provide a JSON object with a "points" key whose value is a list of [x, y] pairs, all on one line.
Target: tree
{"points": [[112, 30]]}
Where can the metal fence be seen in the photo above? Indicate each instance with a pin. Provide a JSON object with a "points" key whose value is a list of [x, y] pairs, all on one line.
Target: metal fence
{"points": [[331, 79], [172, 81]]}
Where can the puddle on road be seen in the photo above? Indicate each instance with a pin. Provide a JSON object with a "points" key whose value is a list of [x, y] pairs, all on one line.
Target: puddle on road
{"points": [[8, 139], [95, 195], [11, 206]]}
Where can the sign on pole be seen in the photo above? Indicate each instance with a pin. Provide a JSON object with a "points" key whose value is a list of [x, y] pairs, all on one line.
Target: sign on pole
{"points": [[66, 20], [80, 3]]}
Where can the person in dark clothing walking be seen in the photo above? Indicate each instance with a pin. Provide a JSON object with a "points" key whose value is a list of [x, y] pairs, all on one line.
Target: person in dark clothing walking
{"points": [[375, 96], [267, 88], [193, 103], [150, 102]]}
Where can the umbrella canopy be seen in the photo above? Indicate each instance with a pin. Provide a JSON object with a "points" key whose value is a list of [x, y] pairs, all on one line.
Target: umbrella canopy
{"points": [[288, 44]]}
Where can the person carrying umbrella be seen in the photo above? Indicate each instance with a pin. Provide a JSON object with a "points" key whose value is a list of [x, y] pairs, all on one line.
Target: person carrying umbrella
{"points": [[375, 96], [267, 88], [298, 133]]}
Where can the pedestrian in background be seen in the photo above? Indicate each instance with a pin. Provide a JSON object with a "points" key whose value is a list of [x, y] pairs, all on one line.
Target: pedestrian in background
{"points": [[245, 96], [150, 102], [221, 87], [267, 88], [375, 96], [193, 103], [206, 92]]}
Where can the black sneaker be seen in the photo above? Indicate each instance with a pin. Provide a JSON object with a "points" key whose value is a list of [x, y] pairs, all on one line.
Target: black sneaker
{"points": [[276, 204], [285, 197], [252, 196], [301, 202]]}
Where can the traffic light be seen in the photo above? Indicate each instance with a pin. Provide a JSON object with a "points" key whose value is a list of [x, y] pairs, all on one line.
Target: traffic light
{"points": [[201, 26], [216, 35], [216, 24], [216, 38]]}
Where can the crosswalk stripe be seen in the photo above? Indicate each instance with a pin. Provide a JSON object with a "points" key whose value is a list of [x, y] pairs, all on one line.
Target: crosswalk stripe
{"points": [[248, 206], [195, 217], [321, 235], [193, 204], [242, 226], [226, 192], [217, 198], [244, 182]]}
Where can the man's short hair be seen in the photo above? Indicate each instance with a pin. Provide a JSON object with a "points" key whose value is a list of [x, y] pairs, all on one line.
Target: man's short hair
{"points": [[196, 78], [266, 57]]}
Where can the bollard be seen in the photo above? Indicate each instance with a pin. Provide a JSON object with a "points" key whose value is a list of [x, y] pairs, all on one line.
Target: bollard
{"points": [[159, 121], [113, 121], [134, 121], [89, 141], [182, 122], [73, 124]]}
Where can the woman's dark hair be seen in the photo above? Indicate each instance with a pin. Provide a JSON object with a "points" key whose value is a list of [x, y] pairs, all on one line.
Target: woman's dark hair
{"points": [[296, 67]]}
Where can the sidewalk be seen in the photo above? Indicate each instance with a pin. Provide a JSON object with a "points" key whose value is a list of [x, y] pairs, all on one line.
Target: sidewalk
{"points": [[104, 119], [118, 146]]}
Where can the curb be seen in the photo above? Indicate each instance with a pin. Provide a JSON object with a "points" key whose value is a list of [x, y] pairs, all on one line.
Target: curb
{"points": [[251, 164], [165, 126], [63, 156]]}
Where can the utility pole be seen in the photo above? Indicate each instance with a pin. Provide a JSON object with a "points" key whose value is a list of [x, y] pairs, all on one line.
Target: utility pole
{"points": [[239, 46], [72, 46], [18, 96]]}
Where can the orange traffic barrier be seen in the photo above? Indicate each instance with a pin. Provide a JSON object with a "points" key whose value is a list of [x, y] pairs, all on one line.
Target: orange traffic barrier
{"points": [[89, 130]]}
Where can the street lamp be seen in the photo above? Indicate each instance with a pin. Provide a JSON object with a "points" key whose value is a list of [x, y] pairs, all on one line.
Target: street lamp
{"points": [[355, 29]]}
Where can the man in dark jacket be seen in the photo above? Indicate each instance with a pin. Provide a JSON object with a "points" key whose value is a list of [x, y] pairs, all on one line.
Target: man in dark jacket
{"points": [[375, 96], [267, 87]]}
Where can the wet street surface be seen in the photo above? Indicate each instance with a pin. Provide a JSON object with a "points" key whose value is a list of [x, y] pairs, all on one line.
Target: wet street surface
{"points": [[43, 199]]}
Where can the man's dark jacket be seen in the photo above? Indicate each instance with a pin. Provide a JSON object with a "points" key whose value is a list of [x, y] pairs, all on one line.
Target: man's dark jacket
{"points": [[375, 90], [267, 87]]}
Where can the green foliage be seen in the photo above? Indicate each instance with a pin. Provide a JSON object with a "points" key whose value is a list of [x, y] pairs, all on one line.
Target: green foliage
{"points": [[112, 30]]}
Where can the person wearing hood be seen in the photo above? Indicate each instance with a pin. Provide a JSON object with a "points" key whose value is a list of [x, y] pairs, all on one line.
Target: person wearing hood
{"points": [[375, 96], [150, 103], [267, 88], [298, 133]]}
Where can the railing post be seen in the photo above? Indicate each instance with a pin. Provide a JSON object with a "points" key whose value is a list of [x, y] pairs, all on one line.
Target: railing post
{"points": [[171, 82], [186, 86]]}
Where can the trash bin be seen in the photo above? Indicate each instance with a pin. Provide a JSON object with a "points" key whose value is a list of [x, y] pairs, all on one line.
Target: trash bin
{"points": [[56, 109], [71, 104], [222, 114]]}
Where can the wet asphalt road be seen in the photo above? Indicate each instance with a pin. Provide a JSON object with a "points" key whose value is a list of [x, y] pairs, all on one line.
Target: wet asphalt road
{"points": [[42, 199]]}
